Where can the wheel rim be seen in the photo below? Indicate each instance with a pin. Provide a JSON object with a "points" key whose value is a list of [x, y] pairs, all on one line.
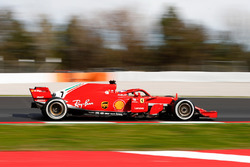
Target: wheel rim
{"points": [[184, 110], [56, 109]]}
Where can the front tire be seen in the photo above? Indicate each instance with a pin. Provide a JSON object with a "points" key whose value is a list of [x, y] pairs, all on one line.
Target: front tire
{"points": [[55, 109], [184, 110]]}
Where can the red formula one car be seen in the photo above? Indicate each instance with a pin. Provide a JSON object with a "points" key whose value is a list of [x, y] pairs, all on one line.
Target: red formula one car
{"points": [[103, 100]]}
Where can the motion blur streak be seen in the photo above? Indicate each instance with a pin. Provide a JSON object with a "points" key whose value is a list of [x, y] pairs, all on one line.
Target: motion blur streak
{"points": [[116, 40]]}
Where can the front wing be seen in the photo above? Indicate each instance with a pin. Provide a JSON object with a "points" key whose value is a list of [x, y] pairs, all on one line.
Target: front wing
{"points": [[208, 114]]}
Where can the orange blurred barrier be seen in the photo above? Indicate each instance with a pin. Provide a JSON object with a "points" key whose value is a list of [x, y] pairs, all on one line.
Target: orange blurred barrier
{"points": [[83, 77]]}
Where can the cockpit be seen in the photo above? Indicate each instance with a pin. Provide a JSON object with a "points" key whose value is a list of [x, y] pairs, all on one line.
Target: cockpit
{"points": [[137, 92]]}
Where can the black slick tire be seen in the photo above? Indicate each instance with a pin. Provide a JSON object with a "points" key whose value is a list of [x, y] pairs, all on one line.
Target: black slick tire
{"points": [[183, 110], [55, 109]]}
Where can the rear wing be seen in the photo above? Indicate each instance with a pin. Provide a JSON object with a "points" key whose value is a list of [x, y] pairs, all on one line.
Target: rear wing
{"points": [[40, 94]]}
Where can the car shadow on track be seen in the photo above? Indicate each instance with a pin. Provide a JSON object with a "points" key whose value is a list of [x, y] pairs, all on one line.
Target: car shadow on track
{"points": [[28, 117], [39, 117]]}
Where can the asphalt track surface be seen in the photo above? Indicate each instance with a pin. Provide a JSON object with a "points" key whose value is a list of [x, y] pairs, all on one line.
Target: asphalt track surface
{"points": [[17, 109]]}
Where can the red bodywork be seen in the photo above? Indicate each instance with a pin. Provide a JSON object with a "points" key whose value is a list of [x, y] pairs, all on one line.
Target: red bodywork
{"points": [[102, 98]]}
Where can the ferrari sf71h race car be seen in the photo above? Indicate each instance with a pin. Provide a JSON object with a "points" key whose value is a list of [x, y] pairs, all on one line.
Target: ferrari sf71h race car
{"points": [[95, 99]]}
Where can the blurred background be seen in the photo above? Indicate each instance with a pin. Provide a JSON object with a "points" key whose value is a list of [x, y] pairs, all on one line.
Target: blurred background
{"points": [[115, 35]]}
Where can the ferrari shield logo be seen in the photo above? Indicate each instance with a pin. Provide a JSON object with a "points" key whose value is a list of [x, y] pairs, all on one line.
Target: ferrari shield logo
{"points": [[142, 100], [105, 104]]}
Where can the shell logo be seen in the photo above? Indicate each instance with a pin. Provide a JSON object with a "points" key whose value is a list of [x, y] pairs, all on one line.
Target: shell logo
{"points": [[119, 105]]}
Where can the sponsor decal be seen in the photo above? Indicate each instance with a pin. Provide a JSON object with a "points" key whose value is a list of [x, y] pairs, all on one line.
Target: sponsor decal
{"points": [[119, 104], [85, 104], [33, 90], [40, 100], [122, 94], [105, 104], [106, 92], [139, 108], [151, 104], [141, 100]]}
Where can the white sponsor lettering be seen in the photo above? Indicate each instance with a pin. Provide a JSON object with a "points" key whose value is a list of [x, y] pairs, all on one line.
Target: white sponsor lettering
{"points": [[139, 108], [151, 104], [122, 94], [36, 90], [85, 104]]}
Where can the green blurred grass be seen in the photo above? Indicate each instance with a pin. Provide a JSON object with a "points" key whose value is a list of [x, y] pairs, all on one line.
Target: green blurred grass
{"points": [[125, 137]]}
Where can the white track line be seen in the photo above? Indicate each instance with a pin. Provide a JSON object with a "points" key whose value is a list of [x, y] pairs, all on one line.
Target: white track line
{"points": [[76, 122], [134, 122], [190, 122], [196, 155]]}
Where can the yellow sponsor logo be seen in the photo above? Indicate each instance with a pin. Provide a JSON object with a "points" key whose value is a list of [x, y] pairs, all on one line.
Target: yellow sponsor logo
{"points": [[119, 105], [141, 100]]}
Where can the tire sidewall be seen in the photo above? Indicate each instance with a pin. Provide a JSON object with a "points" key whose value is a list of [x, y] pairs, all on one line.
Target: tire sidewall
{"points": [[176, 108], [48, 113]]}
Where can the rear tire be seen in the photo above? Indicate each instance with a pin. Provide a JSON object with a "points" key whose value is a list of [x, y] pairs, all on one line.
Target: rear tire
{"points": [[184, 110], [55, 109]]}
